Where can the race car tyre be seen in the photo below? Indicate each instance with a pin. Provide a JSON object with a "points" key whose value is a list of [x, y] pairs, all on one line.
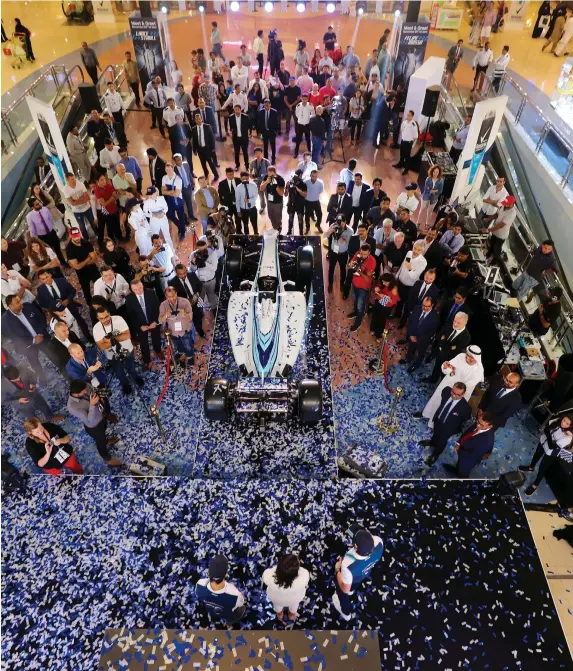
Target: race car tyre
{"points": [[309, 401], [234, 263], [304, 266], [216, 401]]}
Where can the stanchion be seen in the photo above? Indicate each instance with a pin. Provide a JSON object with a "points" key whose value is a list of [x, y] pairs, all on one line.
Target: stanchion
{"points": [[377, 365], [391, 424], [157, 418]]}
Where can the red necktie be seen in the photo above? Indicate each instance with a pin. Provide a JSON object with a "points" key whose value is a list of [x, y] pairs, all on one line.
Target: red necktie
{"points": [[468, 436], [18, 384]]}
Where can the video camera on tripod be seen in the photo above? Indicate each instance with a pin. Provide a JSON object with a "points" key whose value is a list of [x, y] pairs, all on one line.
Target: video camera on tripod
{"points": [[118, 352]]}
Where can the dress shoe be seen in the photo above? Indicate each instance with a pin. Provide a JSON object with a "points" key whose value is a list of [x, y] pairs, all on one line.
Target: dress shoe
{"points": [[425, 443], [354, 327], [201, 334], [418, 415], [403, 362], [526, 469], [397, 165], [402, 341], [127, 389], [139, 382], [529, 491], [345, 295], [431, 460]]}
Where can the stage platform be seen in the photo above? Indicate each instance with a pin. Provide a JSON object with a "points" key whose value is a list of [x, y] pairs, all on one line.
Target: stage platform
{"points": [[460, 584]]}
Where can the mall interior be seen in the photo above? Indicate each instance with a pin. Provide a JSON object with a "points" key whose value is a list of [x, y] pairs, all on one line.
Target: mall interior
{"points": [[287, 395]]}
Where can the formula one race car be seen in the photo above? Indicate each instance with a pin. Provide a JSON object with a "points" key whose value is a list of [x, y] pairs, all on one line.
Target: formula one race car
{"points": [[266, 318]]}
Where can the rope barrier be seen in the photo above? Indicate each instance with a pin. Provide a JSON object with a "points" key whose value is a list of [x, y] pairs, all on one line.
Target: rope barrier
{"points": [[385, 360], [167, 367]]}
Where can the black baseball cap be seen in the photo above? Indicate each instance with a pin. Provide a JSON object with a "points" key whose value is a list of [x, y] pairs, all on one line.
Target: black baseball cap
{"points": [[362, 539], [218, 567]]}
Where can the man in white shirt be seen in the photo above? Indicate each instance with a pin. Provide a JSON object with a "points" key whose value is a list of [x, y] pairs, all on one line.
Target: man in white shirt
{"points": [[407, 199], [171, 112], [79, 199], [326, 61], [171, 186], [162, 258], [410, 271], [383, 235], [480, 64], [261, 82], [114, 103], [240, 74], [500, 228], [303, 113], [492, 200], [112, 336], [155, 207], [112, 286], [109, 158], [204, 264], [307, 165], [246, 202], [238, 97], [78, 153], [499, 67], [409, 132]]}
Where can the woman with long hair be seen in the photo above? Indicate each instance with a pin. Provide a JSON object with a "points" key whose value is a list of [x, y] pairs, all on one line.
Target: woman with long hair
{"points": [[221, 98], [286, 586], [356, 108], [301, 59], [176, 74], [386, 297], [116, 257], [314, 64], [433, 187], [49, 447], [195, 82], [254, 99], [42, 256]]}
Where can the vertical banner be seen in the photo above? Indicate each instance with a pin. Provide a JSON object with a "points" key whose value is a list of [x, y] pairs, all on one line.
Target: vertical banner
{"points": [[149, 55], [514, 19], [485, 123], [48, 128], [411, 51]]}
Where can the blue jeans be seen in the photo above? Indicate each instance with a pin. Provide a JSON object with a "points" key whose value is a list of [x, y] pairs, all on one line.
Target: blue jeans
{"points": [[123, 368], [218, 49], [184, 344], [81, 219], [360, 297], [317, 143], [523, 285]]}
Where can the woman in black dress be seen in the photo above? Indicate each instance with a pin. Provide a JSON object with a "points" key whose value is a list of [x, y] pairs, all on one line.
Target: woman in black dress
{"points": [[117, 258], [544, 10]]}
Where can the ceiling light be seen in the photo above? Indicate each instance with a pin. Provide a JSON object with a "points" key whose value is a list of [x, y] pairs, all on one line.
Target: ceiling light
{"points": [[235, 6], [269, 6], [300, 7], [330, 7]]}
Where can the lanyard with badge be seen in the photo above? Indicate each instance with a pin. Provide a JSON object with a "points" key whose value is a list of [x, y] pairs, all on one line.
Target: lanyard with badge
{"points": [[176, 325]]}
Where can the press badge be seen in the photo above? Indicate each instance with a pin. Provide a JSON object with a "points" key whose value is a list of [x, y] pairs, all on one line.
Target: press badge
{"points": [[61, 456], [335, 247], [177, 326]]}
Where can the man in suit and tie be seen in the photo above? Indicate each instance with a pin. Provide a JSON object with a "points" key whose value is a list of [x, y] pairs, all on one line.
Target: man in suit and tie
{"points": [[421, 289], [184, 170], [143, 310], [204, 145], [361, 195], [474, 445], [339, 203], [422, 326], [25, 325], [113, 130], [502, 399], [86, 365], [156, 168], [41, 170], [454, 411], [452, 339], [450, 307], [269, 125], [240, 126], [54, 293], [207, 114], [227, 196], [187, 285], [180, 138], [455, 55], [156, 100]]}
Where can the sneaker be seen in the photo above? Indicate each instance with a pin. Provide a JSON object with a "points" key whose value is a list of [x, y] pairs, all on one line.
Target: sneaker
{"points": [[526, 469], [337, 606]]}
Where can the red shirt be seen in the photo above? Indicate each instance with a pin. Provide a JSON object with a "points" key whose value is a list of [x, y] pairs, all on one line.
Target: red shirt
{"points": [[386, 297], [327, 91], [315, 100], [105, 194], [368, 265]]}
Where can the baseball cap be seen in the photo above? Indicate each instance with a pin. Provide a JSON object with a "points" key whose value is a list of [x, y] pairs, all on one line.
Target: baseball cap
{"points": [[150, 190], [411, 187], [364, 542], [510, 200], [75, 233], [177, 155], [218, 567], [293, 79], [132, 202]]}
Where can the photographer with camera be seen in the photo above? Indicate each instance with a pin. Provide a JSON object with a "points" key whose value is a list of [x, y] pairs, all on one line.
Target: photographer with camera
{"points": [[113, 338], [149, 275], [204, 264], [49, 447], [162, 258], [113, 287], [85, 404], [275, 53], [362, 267], [338, 236], [296, 191], [361, 237], [176, 313], [274, 187], [215, 244]]}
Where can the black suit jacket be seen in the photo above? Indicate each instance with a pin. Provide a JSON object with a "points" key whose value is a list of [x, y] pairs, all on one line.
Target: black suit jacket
{"points": [[501, 409], [449, 349], [355, 243], [456, 418], [447, 305], [61, 351], [179, 287], [423, 330], [118, 130], [45, 298], [333, 210], [135, 313], [434, 256], [273, 128], [414, 295], [209, 139], [158, 174], [245, 127], [225, 194], [47, 171], [366, 196], [17, 332]]}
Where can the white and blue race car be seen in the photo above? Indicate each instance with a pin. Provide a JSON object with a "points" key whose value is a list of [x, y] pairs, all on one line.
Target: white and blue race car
{"points": [[266, 318]]}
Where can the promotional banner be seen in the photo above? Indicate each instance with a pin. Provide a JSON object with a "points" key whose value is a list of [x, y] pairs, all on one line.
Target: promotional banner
{"points": [[515, 17], [51, 138], [148, 36], [485, 123], [411, 51]]}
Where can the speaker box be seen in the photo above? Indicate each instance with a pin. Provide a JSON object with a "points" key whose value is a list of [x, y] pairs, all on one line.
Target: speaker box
{"points": [[90, 98], [431, 101]]}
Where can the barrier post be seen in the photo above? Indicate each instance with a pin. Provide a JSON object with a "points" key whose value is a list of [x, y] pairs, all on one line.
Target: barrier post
{"points": [[391, 424], [377, 365]]}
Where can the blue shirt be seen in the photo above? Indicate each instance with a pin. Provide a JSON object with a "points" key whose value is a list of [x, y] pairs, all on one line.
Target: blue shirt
{"points": [[132, 166], [314, 189], [222, 603]]}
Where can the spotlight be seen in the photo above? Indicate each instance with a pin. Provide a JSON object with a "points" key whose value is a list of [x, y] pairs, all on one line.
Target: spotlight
{"points": [[300, 7], [269, 6], [164, 7], [330, 7], [397, 12], [235, 6], [201, 7], [360, 8]]}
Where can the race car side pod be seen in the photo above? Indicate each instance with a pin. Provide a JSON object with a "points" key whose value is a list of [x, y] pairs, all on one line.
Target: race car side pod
{"points": [[347, 464]]}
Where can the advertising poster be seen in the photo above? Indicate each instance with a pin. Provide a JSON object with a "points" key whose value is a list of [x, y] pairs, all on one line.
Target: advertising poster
{"points": [[411, 51], [51, 138], [515, 17], [483, 130], [149, 55]]}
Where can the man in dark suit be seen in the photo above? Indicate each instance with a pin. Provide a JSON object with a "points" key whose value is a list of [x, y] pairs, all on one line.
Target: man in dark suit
{"points": [[156, 168], [204, 145], [227, 196], [452, 339], [422, 326], [41, 170], [474, 445], [434, 252], [451, 306], [180, 138], [143, 309], [207, 114], [269, 125], [240, 125], [502, 399], [62, 339], [420, 290], [25, 325], [339, 203], [113, 130], [19, 390], [184, 170], [86, 365], [453, 412], [361, 202], [187, 285], [55, 293]]}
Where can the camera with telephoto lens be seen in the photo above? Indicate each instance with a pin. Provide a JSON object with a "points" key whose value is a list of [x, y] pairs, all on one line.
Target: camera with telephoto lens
{"points": [[200, 258], [212, 239], [337, 225], [356, 265], [117, 350]]}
